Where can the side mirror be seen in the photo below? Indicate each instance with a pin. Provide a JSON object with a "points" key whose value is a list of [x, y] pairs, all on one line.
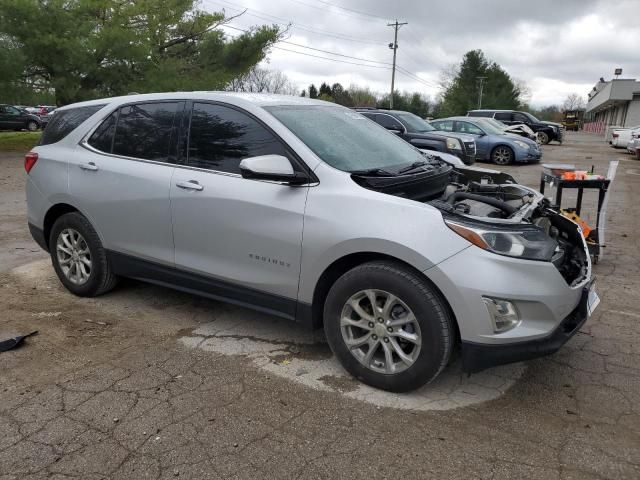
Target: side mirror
{"points": [[275, 168]]}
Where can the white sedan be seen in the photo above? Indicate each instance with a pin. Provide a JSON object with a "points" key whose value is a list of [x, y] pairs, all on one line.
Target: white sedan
{"points": [[620, 137]]}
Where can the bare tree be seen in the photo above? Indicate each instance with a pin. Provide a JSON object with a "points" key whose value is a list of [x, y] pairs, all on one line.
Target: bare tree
{"points": [[263, 80], [574, 102]]}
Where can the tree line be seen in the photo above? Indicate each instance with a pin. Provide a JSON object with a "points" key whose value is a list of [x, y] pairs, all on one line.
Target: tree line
{"points": [[61, 51]]}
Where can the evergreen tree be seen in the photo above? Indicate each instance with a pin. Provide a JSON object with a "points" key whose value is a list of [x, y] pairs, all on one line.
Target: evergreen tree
{"points": [[324, 89], [461, 92], [82, 49], [313, 91]]}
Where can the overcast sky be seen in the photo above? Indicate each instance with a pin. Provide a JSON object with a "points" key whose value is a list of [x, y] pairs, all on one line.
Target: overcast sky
{"points": [[556, 47]]}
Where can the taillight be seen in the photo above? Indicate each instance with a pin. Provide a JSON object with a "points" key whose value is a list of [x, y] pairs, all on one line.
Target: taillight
{"points": [[30, 160], [615, 135]]}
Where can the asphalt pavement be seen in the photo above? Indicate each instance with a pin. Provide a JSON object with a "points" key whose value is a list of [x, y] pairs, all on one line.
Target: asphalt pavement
{"points": [[145, 382]]}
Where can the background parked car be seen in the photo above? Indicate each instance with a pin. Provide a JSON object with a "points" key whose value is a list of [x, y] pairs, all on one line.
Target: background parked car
{"points": [[620, 137], [546, 131], [633, 146], [12, 118], [492, 143], [421, 134]]}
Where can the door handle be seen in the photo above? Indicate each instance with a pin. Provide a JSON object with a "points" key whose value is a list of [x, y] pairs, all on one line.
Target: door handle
{"points": [[190, 185], [89, 166]]}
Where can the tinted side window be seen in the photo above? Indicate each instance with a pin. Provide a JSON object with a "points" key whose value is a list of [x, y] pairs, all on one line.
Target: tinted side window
{"points": [[64, 122], [220, 137], [481, 113], [503, 116], [144, 130], [102, 138], [389, 122], [518, 117]]}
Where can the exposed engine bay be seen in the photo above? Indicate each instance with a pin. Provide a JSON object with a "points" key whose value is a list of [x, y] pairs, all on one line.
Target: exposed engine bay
{"points": [[491, 202]]}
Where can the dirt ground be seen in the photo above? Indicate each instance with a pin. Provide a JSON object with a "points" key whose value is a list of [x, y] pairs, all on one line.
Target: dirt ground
{"points": [[145, 382]]}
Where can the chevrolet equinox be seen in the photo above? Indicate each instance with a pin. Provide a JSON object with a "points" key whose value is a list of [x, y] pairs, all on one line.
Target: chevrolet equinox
{"points": [[309, 211]]}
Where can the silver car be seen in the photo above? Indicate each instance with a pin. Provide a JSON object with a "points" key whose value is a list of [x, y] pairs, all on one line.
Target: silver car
{"points": [[309, 211]]}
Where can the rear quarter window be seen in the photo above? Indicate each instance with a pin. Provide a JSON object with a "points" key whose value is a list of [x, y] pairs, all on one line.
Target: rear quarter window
{"points": [[64, 122]]}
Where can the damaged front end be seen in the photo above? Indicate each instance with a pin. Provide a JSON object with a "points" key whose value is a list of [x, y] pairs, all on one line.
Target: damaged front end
{"points": [[517, 221], [496, 214]]}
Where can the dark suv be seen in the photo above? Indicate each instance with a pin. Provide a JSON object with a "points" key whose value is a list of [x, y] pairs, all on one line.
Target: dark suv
{"points": [[546, 131], [423, 135], [12, 118]]}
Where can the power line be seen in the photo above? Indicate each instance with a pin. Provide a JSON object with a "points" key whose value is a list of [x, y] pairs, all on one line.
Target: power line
{"points": [[416, 77], [317, 49], [351, 10], [285, 22], [331, 59]]}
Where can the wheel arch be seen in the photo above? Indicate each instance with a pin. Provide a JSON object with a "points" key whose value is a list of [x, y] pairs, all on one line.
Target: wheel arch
{"points": [[55, 212], [343, 264]]}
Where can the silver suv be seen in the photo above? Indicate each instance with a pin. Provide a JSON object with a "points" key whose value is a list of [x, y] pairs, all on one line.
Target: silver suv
{"points": [[309, 211]]}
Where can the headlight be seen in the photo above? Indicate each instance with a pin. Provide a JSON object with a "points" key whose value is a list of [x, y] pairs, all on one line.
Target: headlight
{"points": [[522, 144], [521, 241], [454, 144]]}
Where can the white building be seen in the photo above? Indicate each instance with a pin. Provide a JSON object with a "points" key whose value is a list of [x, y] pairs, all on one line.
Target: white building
{"points": [[616, 102]]}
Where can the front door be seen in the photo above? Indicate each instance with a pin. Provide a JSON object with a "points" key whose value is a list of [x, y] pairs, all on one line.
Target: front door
{"points": [[244, 235], [121, 179]]}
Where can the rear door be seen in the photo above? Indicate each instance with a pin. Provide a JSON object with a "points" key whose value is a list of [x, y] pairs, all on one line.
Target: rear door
{"points": [[244, 235], [504, 117], [121, 178]]}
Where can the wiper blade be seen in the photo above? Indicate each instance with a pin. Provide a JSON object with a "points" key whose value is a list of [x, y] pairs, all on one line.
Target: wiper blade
{"points": [[413, 166], [378, 172]]}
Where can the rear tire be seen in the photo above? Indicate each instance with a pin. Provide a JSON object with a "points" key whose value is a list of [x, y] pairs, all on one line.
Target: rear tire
{"points": [[412, 336], [78, 257]]}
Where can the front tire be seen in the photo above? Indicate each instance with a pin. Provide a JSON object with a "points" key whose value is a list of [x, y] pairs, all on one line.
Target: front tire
{"points": [[78, 257], [388, 326], [543, 138], [32, 126], [502, 155]]}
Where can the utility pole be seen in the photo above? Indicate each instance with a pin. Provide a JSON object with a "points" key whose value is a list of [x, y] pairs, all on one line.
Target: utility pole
{"points": [[481, 80], [394, 47]]}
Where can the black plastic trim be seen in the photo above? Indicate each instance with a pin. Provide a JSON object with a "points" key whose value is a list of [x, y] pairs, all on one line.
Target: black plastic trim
{"points": [[137, 268], [477, 357], [38, 236]]}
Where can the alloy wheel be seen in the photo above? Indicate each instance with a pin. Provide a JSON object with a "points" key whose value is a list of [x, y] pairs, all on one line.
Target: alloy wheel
{"points": [[74, 256], [542, 138], [502, 156], [380, 331]]}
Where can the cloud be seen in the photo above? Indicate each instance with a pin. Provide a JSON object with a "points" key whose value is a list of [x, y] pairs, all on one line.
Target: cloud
{"points": [[555, 47]]}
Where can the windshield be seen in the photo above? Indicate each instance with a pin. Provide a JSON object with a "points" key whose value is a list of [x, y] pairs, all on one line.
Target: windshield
{"points": [[531, 117], [345, 139], [488, 127], [414, 122], [496, 123]]}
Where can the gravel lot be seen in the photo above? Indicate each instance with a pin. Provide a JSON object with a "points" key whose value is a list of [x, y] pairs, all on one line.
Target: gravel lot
{"points": [[149, 383]]}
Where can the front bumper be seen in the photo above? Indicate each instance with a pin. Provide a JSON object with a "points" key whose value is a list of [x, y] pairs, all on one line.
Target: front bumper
{"points": [[467, 157], [530, 155], [477, 357]]}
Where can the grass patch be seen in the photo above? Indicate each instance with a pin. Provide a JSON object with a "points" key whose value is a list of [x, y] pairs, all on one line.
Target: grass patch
{"points": [[20, 142]]}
